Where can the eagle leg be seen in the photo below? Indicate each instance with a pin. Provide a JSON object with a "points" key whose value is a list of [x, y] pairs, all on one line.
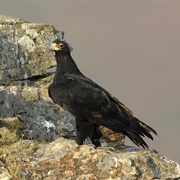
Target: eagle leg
{"points": [[86, 129]]}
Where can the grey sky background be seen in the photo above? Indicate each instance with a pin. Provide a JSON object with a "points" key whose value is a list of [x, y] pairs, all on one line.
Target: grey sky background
{"points": [[131, 48]]}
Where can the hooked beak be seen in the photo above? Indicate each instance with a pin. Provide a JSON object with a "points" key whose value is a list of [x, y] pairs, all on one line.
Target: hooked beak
{"points": [[55, 47]]}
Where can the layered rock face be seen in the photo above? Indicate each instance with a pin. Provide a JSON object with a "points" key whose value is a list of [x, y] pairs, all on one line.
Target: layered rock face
{"points": [[24, 49], [25, 59]]}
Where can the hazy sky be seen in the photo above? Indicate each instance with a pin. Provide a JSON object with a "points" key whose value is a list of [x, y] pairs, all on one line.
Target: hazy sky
{"points": [[131, 48]]}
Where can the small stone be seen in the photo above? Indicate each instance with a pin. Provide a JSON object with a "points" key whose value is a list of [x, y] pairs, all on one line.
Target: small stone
{"points": [[6, 136], [30, 94], [4, 174], [13, 122]]}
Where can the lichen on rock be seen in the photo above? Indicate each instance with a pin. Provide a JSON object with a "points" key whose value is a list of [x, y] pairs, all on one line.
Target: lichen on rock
{"points": [[64, 159], [23, 46]]}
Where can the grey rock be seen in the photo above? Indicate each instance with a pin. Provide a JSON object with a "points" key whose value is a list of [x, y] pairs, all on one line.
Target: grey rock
{"points": [[25, 57], [42, 118], [24, 49]]}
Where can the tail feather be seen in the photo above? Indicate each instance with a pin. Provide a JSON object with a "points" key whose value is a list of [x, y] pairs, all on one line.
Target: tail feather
{"points": [[131, 126], [145, 126], [145, 133], [137, 130], [136, 139], [140, 130]]}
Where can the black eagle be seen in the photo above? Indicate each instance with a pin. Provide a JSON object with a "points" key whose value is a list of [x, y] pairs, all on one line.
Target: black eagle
{"points": [[90, 104]]}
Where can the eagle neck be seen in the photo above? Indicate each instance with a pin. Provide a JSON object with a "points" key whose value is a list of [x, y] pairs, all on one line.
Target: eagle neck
{"points": [[65, 65]]}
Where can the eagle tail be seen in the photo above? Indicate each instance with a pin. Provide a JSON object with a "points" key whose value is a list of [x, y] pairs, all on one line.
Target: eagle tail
{"points": [[136, 139], [137, 130]]}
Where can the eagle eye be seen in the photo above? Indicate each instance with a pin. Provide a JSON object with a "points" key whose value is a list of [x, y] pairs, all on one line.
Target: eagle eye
{"points": [[61, 45]]}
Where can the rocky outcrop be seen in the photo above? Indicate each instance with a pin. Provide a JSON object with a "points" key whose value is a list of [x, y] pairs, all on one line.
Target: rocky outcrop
{"points": [[43, 119], [24, 49], [64, 159], [29, 119], [24, 60]]}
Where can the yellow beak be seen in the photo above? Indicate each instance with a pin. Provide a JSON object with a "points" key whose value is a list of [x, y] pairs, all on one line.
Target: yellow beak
{"points": [[55, 47]]}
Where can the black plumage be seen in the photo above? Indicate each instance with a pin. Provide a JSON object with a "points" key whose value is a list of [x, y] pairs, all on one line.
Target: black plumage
{"points": [[90, 104]]}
